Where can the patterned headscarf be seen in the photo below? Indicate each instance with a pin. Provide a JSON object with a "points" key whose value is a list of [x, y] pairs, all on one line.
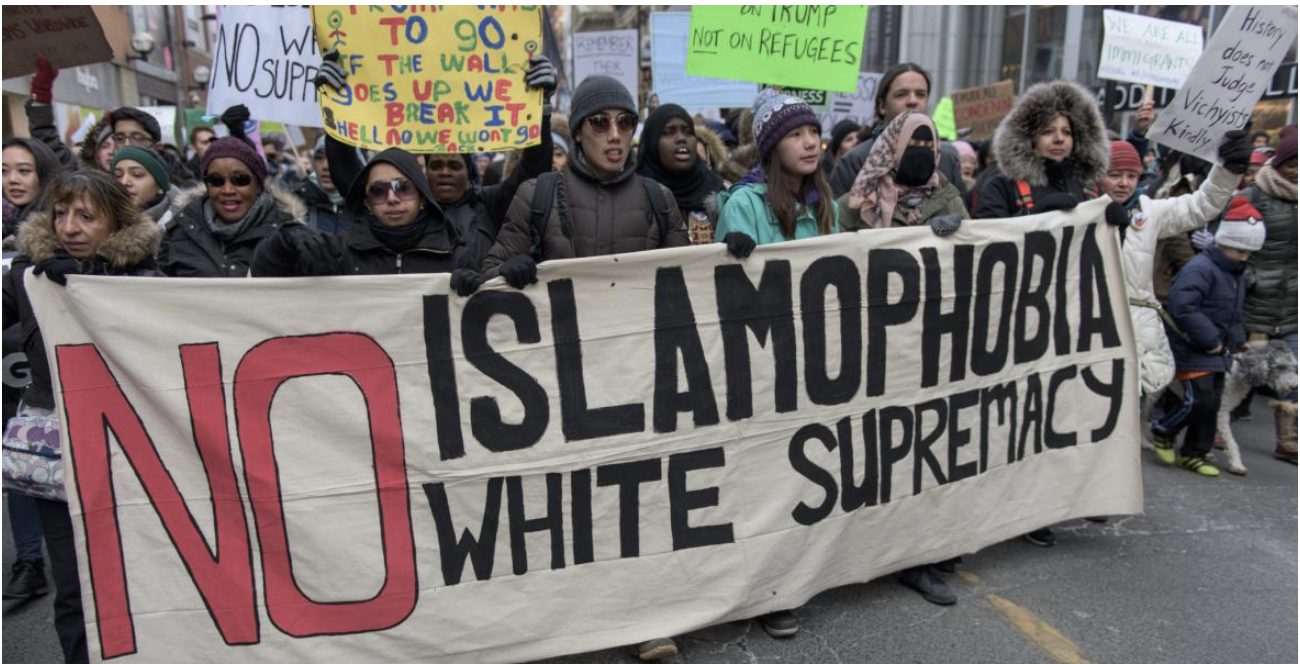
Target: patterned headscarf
{"points": [[874, 193]]}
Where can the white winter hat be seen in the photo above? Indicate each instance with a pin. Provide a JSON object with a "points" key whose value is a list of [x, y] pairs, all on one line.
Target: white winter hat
{"points": [[1242, 227]]}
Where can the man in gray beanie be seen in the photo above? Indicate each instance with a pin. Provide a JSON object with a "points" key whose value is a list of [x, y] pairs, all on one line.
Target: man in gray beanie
{"points": [[596, 205]]}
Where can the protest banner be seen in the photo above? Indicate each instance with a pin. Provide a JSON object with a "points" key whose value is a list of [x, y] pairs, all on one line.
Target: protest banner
{"points": [[858, 106], [809, 46], [1229, 79], [66, 35], [944, 121], [265, 58], [669, 34], [639, 445], [613, 53], [432, 78], [981, 109], [1150, 51]]}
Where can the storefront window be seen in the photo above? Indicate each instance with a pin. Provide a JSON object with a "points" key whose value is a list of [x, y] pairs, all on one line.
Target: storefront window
{"points": [[155, 20]]}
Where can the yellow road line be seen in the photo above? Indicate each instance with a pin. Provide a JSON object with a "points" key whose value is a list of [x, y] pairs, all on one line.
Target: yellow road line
{"points": [[970, 577], [1041, 634]]}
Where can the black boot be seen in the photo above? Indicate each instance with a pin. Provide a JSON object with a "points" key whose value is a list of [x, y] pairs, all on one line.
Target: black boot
{"points": [[27, 580]]}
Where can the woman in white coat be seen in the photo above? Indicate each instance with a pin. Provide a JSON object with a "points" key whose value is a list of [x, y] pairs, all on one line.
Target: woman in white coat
{"points": [[1151, 220]]}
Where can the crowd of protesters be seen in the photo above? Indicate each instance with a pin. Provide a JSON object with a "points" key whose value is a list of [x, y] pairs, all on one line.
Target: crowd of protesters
{"points": [[1209, 251]]}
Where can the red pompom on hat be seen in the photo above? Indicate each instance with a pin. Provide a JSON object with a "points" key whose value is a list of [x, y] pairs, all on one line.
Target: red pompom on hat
{"points": [[1242, 226], [1124, 157]]}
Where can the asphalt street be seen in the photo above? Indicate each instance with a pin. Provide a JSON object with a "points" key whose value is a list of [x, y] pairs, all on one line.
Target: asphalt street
{"points": [[1207, 574]]}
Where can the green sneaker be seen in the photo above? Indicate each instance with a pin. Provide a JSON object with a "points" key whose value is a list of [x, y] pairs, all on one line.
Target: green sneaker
{"points": [[1164, 448], [1198, 465]]}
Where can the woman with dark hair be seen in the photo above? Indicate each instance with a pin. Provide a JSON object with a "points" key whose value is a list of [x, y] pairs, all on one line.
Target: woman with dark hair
{"points": [[786, 198], [669, 155], [844, 136], [86, 224], [218, 225], [97, 148], [28, 164]]}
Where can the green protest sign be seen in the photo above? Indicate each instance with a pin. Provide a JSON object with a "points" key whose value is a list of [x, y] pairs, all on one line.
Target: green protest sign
{"points": [[944, 120], [809, 46]]}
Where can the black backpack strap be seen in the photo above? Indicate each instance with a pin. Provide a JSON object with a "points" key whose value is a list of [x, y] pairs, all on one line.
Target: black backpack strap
{"points": [[658, 206], [543, 197]]}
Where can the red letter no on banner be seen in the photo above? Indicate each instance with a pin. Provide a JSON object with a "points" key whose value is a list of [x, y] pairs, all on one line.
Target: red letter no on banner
{"points": [[261, 372]]}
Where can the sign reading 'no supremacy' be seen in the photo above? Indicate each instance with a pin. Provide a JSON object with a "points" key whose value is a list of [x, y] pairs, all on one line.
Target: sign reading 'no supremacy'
{"points": [[639, 445]]}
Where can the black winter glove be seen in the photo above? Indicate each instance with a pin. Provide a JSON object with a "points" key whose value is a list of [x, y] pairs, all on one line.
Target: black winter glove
{"points": [[945, 224], [465, 281], [519, 271], [234, 119], [1235, 151], [1116, 215], [58, 269], [1057, 201], [330, 73], [316, 256], [739, 244]]}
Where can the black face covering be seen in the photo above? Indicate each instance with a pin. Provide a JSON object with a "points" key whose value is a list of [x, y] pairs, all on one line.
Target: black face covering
{"points": [[916, 166]]}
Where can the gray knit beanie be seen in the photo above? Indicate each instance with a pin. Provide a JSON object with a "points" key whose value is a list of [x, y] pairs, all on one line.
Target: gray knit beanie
{"points": [[595, 94]]}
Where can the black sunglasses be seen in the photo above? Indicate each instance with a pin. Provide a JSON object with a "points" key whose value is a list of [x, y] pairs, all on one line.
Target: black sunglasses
{"points": [[217, 181], [600, 123], [377, 192]]}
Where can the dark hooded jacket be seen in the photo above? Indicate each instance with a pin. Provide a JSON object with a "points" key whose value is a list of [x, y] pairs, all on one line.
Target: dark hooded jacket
{"points": [[322, 214], [479, 214], [588, 218], [691, 188], [189, 249], [1013, 147], [129, 251], [40, 123], [47, 166], [846, 171], [361, 249], [1206, 302]]}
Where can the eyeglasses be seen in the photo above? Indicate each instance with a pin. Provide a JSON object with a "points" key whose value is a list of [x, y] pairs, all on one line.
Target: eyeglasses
{"points": [[132, 139], [377, 192], [217, 181], [600, 123]]}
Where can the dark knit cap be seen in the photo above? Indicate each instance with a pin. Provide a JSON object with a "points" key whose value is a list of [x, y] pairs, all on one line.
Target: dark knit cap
{"points": [[237, 149], [778, 116], [841, 131], [595, 94], [149, 122], [149, 160], [1286, 146]]}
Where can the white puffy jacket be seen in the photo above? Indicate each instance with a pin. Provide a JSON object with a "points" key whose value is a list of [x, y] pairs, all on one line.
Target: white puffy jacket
{"points": [[1160, 219]]}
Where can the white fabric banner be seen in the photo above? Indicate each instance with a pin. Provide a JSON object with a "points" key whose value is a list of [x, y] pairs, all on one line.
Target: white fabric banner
{"points": [[637, 446], [265, 58]]}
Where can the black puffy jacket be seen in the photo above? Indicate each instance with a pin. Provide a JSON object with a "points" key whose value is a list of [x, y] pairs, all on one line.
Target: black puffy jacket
{"points": [[189, 249]]}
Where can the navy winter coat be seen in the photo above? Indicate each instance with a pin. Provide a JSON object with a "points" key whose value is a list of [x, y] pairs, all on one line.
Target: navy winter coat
{"points": [[1206, 301]]}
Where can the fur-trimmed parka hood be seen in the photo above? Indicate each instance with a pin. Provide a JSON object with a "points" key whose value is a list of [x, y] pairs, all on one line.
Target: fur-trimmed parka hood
{"points": [[287, 203], [132, 245], [740, 162], [1013, 144]]}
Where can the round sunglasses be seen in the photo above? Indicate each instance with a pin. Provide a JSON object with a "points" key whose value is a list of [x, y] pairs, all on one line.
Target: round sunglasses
{"points": [[600, 123]]}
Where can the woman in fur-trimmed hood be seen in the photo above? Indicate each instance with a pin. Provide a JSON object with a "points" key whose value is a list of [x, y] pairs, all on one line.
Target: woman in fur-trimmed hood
{"points": [[1051, 150]]}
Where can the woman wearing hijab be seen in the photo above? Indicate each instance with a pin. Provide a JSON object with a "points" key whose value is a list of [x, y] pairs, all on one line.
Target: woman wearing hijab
{"points": [[218, 224], [900, 185], [144, 175], [669, 156], [402, 229]]}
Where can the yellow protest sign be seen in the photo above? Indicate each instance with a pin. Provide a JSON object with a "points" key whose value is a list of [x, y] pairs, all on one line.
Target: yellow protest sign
{"points": [[432, 78]]}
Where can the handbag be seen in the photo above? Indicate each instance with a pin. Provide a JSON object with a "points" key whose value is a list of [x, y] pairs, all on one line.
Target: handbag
{"points": [[33, 460]]}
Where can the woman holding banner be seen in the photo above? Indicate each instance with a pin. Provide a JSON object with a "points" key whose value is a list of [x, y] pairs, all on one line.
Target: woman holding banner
{"points": [[669, 155], [218, 225], [86, 224]]}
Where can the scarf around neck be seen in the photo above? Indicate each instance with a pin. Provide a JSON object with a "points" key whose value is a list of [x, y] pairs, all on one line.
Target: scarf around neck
{"points": [[1272, 183], [689, 188], [262, 206]]}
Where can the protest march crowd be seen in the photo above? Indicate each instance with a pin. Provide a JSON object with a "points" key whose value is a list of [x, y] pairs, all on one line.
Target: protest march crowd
{"points": [[1208, 250]]}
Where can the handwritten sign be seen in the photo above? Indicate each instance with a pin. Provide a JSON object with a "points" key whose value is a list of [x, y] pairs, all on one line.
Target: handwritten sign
{"points": [[611, 53], [265, 58], [1228, 80], [669, 34], [432, 78], [809, 46], [982, 109], [1140, 49], [858, 106], [66, 35]]}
